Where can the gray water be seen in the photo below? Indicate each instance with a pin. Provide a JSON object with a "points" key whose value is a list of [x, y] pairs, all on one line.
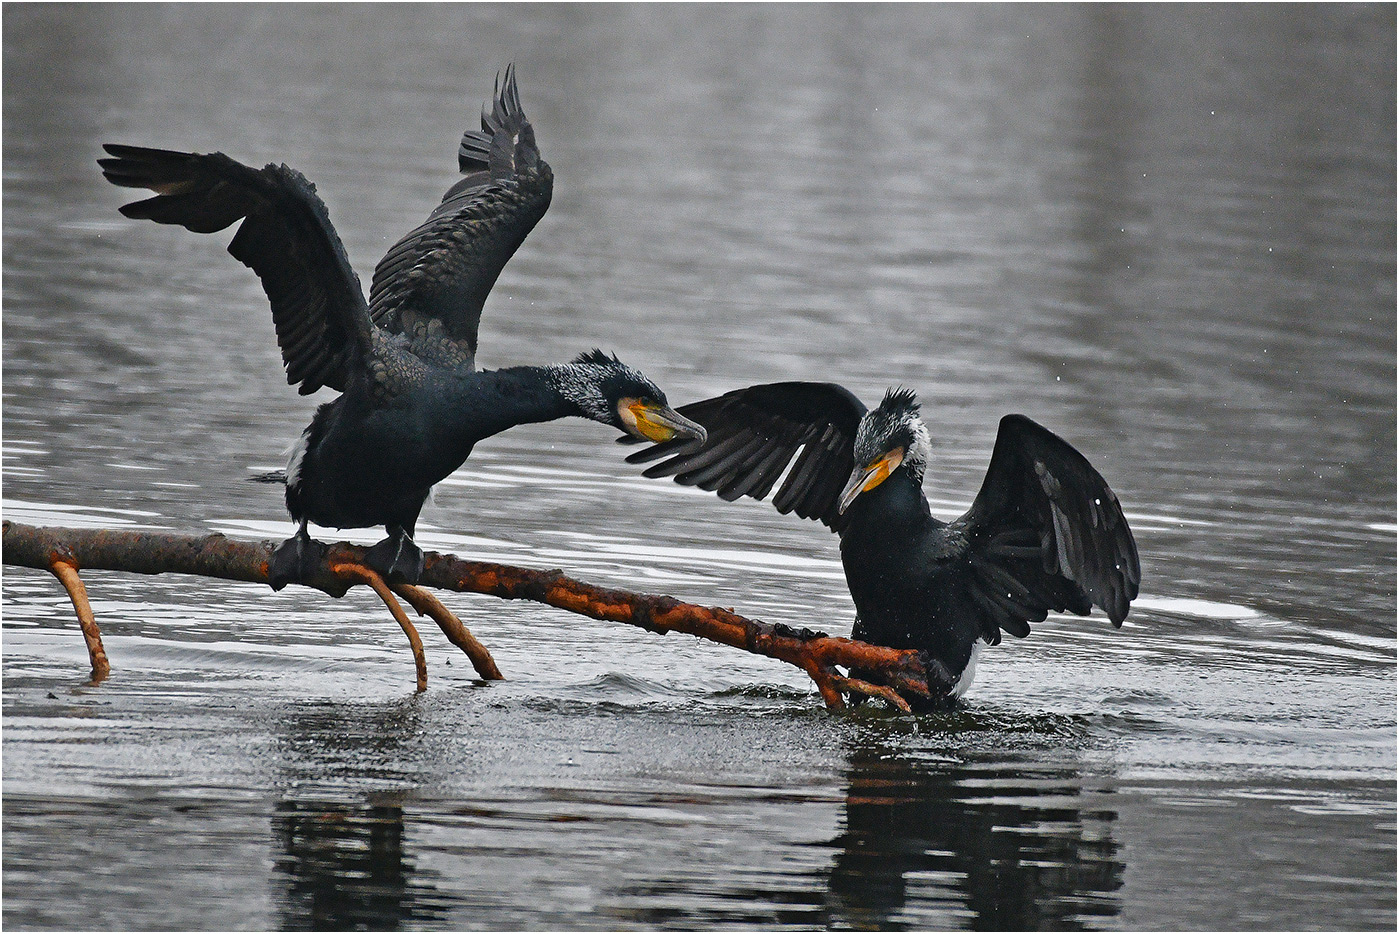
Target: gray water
{"points": [[1166, 232]]}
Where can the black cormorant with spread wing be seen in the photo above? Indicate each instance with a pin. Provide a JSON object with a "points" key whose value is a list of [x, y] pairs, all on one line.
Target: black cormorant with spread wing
{"points": [[1044, 533], [412, 402]]}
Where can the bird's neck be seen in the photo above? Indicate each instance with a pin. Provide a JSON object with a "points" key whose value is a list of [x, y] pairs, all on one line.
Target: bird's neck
{"points": [[889, 516], [519, 395]]}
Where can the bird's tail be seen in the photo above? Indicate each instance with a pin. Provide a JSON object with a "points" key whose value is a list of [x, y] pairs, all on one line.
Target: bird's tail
{"points": [[504, 145]]}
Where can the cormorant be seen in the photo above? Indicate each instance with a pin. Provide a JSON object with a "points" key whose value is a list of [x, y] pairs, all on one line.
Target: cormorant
{"points": [[1044, 533], [413, 403]]}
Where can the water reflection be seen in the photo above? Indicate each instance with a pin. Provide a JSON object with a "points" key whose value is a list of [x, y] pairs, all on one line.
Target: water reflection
{"points": [[344, 863], [346, 867], [1010, 847], [334, 745]]}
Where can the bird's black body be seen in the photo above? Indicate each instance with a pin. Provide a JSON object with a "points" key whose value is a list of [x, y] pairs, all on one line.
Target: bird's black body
{"points": [[1045, 533], [413, 403], [355, 442], [911, 596]]}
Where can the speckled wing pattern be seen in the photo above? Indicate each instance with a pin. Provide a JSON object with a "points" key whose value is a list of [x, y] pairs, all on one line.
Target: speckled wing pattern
{"points": [[430, 287], [754, 434], [323, 325], [1045, 532]]}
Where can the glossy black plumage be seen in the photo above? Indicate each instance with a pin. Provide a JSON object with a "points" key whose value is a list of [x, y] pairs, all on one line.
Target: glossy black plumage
{"points": [[442, 271], [413, 402], [1045, 532], [322, 321], [753, 435]]}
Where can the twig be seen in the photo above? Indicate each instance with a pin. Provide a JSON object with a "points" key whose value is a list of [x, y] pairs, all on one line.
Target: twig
{"points": [[67, 575], [428, 605], [363, 575]]}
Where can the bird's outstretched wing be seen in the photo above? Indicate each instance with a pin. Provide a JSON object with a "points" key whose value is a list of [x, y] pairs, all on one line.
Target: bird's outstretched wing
{"points": [[1045, 533], [433, 282], [323, 324], [754, 433]]}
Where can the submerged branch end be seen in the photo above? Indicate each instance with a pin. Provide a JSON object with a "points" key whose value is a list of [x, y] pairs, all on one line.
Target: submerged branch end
{"points": [[428, 605], [67, 574], [361, 574]]}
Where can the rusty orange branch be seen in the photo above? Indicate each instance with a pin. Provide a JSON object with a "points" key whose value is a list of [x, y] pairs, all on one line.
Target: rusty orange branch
{"points": [[67, 575], [889, 674], [363, 575]]}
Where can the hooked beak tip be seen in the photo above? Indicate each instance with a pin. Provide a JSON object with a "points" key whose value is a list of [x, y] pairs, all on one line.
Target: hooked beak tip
{"points": [[680, 426], [849, 494]]}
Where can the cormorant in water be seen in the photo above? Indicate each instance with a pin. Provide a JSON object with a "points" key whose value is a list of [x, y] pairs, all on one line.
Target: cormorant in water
{"points": [[413, 403], [1044, 533]]}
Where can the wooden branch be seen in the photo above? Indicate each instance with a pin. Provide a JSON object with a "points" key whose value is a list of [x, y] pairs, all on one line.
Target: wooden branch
{"points": [[57, 549], [892, 675], [428, 605], [376, 583], [67, 575]]}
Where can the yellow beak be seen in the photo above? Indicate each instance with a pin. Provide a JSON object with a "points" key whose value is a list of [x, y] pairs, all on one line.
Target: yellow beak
{"points": [[658, 423], [867, 478]]}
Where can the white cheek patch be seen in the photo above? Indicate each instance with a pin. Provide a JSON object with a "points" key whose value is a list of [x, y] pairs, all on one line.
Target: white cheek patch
{"points": [[627, 416]]}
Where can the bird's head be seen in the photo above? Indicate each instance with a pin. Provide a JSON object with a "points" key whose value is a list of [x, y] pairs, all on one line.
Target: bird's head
{"points": [[607, 390], [891, 437]]}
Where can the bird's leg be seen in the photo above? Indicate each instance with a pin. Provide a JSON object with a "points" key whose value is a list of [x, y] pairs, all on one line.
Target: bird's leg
{"points": [[940, 681], [396, 558], [295, 560]]}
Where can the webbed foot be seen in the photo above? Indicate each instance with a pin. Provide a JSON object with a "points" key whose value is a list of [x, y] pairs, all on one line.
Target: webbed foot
{"points": [[941, 683], [396, 559], [294, 561]]}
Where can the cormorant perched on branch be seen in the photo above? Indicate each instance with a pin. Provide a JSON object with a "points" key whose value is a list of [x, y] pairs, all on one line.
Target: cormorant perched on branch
{"points": [[1044, 533], [413, 403]]}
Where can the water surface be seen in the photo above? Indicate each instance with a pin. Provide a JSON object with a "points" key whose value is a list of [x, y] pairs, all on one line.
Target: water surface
{"points": [[1167, 233]]}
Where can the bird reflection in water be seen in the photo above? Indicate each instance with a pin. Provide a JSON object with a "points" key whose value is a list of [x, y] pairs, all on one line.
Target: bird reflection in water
{"points": [[345, 860], [346, 868], [973, 837]]}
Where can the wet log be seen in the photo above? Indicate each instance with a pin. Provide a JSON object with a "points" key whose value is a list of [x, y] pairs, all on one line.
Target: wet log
{"points": [[892, 675]]}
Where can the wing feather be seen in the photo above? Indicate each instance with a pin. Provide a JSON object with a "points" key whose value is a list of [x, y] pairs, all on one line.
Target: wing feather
{"points": [[443, 270], [721, 444], [757, 473], [1046, 532], [756, 433], [286, 238], [718, 472], [804, 472]]}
